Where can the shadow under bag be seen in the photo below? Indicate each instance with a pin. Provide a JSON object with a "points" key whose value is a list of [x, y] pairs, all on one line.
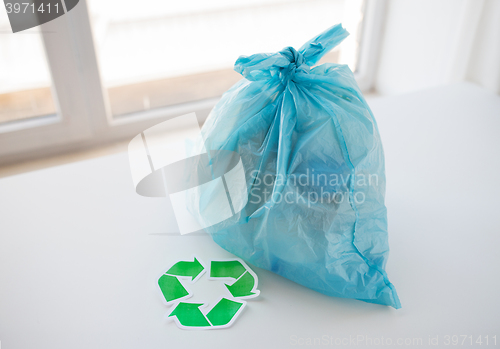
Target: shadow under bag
{"points": [[314, 170]]}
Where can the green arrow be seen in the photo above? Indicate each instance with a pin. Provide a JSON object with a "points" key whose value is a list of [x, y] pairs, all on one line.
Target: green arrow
{"points": [[171, 288], [223, 312], [190, 315], [243, 286], [232, 269], [192, 269]]}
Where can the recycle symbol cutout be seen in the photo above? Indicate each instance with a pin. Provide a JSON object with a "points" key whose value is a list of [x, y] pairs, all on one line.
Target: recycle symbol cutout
{"points": [[241, 284]]}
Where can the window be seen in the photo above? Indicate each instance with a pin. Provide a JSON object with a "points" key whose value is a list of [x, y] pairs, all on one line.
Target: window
{"points": [[25, 87], [109, 69]]}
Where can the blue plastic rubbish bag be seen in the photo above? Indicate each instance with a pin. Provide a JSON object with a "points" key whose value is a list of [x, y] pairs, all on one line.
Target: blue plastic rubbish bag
{"points": [[314, 168]]}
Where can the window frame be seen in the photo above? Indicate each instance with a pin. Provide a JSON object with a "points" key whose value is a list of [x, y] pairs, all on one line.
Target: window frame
{"points": [[371, 43], [83, 115]]}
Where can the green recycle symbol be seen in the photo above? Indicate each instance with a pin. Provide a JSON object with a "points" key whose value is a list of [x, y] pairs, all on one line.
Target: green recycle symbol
{"points": [[188, 315]]}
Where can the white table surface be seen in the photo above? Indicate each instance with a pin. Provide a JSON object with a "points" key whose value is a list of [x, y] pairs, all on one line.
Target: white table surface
{"points": [[80, 251]]}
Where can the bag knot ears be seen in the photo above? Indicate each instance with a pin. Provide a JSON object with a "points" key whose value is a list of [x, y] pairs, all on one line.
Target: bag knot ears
{"points": [[288, 62], [296, 65]]}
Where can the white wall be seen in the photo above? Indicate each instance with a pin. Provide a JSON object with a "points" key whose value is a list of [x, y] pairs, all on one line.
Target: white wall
{"points": [[429, 43], [484, 67]]}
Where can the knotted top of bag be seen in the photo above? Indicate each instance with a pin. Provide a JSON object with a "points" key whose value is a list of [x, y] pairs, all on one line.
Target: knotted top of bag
{"points": [[288, 62]]}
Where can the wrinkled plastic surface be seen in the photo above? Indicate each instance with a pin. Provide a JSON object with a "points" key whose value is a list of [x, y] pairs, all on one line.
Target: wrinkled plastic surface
{"points": [[290, 121]]}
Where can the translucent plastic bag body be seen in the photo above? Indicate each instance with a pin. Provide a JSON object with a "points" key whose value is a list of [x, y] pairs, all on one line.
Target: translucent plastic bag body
{"points": [[314, 168]]}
